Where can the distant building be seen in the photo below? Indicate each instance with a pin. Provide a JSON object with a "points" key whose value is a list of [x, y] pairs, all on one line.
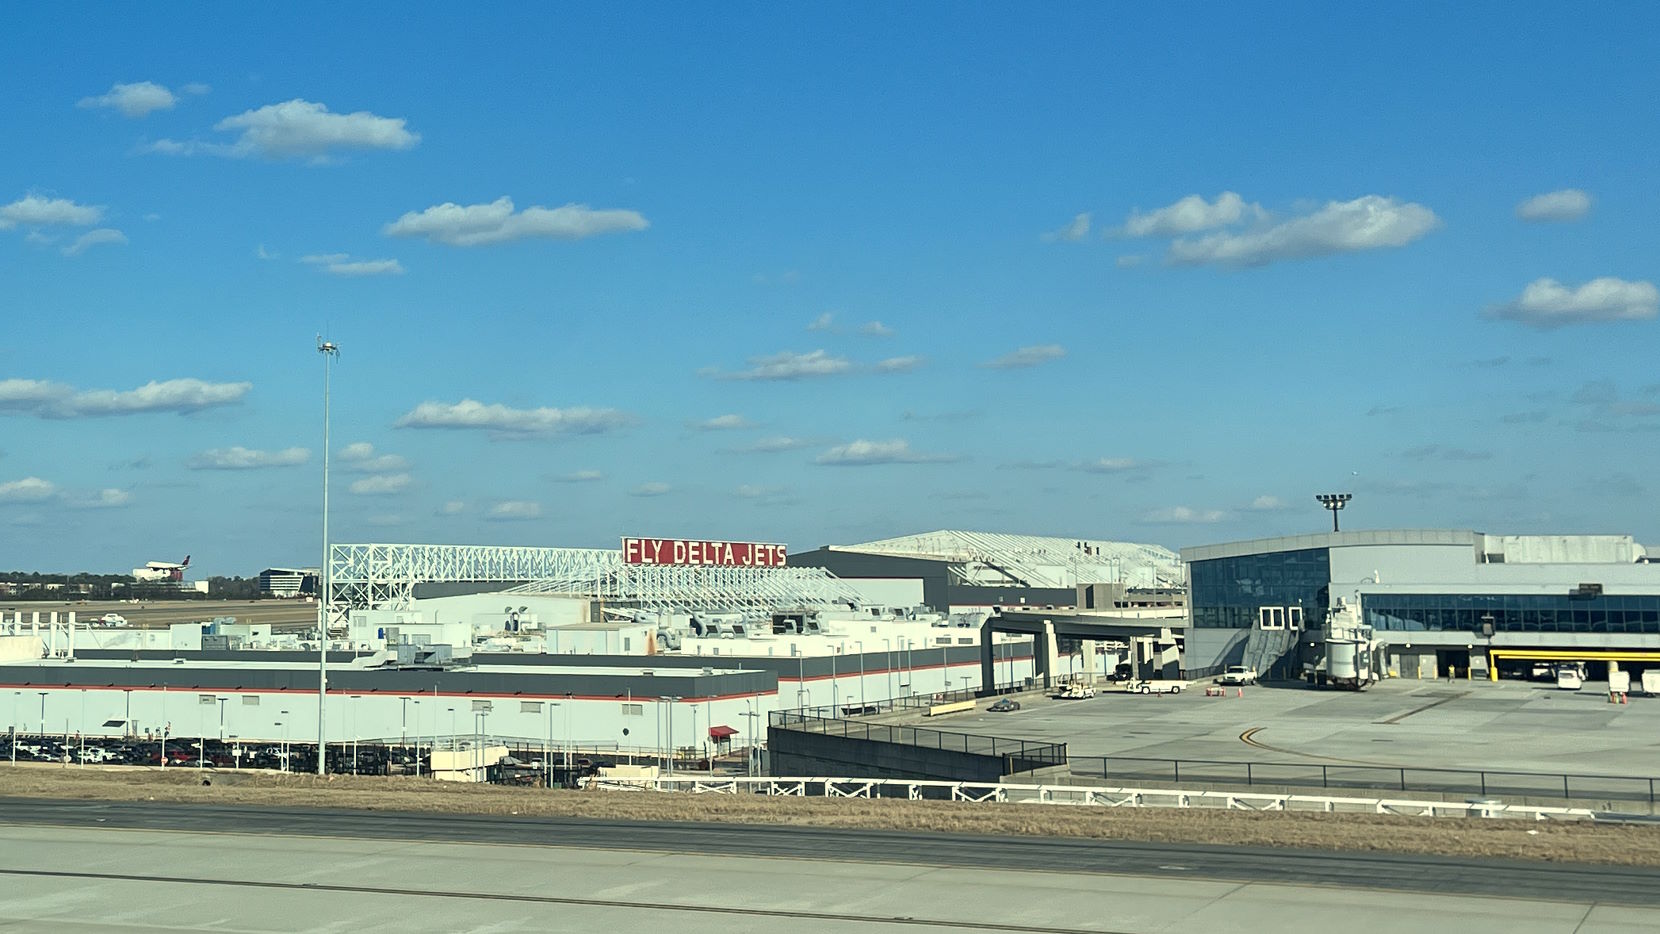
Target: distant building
{"points": [[1438, 600], [288, 582]]}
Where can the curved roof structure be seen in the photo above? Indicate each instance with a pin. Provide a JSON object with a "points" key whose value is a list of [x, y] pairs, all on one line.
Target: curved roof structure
{"points": [[998, 559]]}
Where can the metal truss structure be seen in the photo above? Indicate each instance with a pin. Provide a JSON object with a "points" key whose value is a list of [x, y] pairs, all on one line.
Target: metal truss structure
{"points": [[681, 588], [382, 576]]}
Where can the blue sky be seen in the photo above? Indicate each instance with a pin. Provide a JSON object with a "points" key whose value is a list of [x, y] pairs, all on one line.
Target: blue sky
{"points": [[821, 274]]}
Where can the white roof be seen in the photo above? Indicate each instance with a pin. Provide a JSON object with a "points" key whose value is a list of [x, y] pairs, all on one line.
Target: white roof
{"points": [[1036, 560]]}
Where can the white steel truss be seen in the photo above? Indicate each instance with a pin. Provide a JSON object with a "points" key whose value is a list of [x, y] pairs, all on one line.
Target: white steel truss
{"points": [[382, 576], [671, 587]]}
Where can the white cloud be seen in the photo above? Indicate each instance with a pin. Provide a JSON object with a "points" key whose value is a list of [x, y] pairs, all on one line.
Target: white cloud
{"points": [[1115, 465], [196, 88], [360, 457], [1546, 303], [496, 222], [260, 252], [367, 267], [1569, 204], [241, 458], [823, 322], [1266, 503], [1074, 231], [27, 490], [92, 238], [758, 491], [479, 416], [45, 399], [342, 264], [108, 498], [775, 445], [1371, 222], [382, 485], [297, 128], [1130, 261], [788, 365], [1026, 357], [454, 507], [650, 489], [875, 329], [133, 100], [724, 423], [903, 364], [1443, 452], [1183, 515], [580, 476], [1190, 215], [514, 510], [864, 453], [33, 210]]}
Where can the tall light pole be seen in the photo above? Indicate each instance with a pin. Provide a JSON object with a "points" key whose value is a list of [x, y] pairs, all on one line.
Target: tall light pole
{"points": [[1334, 502], [329, 350]]}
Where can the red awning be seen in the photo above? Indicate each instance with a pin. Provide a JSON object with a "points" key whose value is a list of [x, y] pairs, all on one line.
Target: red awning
{"points": [[722, 732]]}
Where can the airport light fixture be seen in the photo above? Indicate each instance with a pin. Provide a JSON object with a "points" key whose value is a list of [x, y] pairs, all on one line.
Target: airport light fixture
{"points": [[1334, 502], [330, 351]]}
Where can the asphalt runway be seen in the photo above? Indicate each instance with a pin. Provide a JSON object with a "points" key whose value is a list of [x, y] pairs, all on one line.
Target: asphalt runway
{"points": [[1632, 886], [79, 867]]}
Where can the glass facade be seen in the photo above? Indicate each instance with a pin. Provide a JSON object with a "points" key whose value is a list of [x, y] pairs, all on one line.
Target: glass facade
{"points": [[1225, 593], [1618, 614]]}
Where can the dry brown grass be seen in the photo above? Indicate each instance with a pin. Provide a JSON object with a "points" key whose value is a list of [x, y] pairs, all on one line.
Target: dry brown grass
{"points": [[1572, 842]]}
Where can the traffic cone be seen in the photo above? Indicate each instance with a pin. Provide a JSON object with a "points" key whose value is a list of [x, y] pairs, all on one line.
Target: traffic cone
{"points": [[1622, 697], [1239, 692]]}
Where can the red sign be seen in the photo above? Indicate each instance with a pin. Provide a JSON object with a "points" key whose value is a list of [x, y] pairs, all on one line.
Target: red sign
{"points": [[679, 551]]}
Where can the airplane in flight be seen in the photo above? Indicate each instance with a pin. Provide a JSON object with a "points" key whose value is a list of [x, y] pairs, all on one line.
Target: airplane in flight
{"points": [[161, 571]]}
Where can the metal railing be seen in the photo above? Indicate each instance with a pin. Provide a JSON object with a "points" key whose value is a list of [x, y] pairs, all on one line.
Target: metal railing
{"points": [[856, 708], [1100, 796], [1483, 782], [1023, 755]]}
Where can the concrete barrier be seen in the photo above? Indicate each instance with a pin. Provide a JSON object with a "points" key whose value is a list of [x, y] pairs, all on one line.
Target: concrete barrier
{"points": [[953, 707]]}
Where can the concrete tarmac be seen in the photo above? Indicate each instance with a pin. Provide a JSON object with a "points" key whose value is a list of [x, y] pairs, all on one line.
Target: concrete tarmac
{"points": [[139, 866], [1497, 726]]}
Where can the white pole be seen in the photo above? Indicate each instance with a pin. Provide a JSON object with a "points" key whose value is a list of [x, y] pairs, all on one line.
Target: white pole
{"points": [[329, 350]]}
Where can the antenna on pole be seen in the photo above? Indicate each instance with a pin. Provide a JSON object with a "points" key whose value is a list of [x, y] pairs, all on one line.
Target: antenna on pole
{"points": [[1334, 502]]}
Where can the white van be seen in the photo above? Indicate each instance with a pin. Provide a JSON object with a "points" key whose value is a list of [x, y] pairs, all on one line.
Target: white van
{"points": [[1570, 677]]}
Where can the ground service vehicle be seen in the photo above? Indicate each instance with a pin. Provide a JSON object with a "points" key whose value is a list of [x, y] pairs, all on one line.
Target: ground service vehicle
{"points": [[1238, 674], [1153, 687], [1004, 706], [1570, 677], [1619, 682], [1651, 682]]}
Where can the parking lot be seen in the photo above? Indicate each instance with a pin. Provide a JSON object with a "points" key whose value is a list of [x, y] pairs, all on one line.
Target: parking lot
{"points": [[1518, 726]]}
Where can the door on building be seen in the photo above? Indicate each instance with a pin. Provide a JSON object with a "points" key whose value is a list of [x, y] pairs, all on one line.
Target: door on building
{"points": [[1452, 663]]}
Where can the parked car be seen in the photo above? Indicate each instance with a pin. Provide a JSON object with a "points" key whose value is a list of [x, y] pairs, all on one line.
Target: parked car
{"points": [[1004, 706], [1238, 674]]}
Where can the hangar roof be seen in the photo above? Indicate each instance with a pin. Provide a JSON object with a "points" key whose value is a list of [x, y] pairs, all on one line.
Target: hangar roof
{"points": [[996, 558]]}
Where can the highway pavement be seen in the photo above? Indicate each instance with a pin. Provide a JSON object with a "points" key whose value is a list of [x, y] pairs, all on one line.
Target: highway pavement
{"points": [[251, 877], [1631, 886]]}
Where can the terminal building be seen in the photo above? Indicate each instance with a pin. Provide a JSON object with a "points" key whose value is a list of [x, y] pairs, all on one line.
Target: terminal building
{"points": [[1437, 601]]}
